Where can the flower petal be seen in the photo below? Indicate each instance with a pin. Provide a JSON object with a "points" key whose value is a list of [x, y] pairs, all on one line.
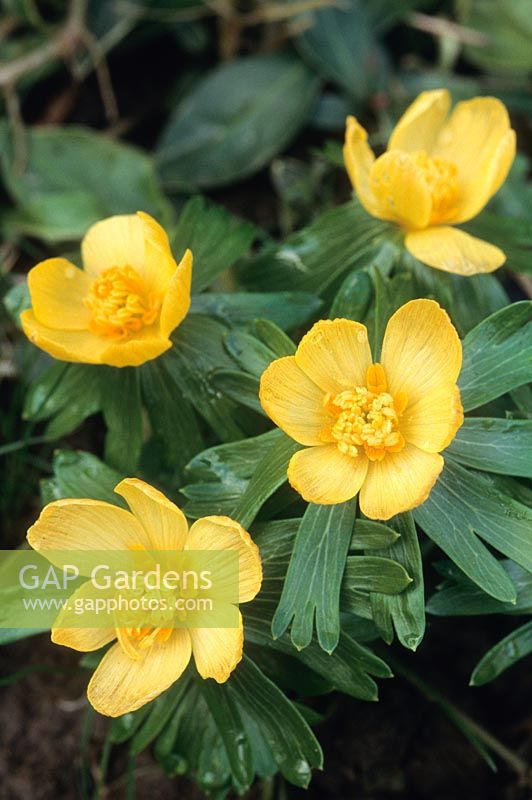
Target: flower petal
{"points": [[400, 482], [177, 298], [454, 250], [217, 651], [86, 640], [335, 354], [432, 421], [358, 159], [81, 347], [165, 524], [401, 190], [293, 401], [223, 533], [325, 475], [421, 123], [134, 240], [147, 344], [122, 684], [421, 351], [85, 525], [57, 290]]}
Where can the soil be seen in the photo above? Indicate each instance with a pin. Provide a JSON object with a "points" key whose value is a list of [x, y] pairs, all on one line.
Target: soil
{"points": [[402, 748]]}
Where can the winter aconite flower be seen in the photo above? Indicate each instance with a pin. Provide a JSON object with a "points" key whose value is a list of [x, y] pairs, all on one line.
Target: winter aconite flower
{"points": [[373, 428], [145, 661], [122, 307], [438, 171]]}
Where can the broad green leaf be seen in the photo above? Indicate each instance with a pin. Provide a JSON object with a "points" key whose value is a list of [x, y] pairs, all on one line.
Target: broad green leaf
{"points": [[495, 445], [458, 596], [235, 120], [79, 474], [172, 418], [123, 728], [314, 577], [250, 353], [497, 355], [354, 296], [217, 240], [8, 635], [269, 475], [198, 351], [462, 503], [160, 711], [223, 706], [122, 412], [98, 178], [512, 234], [508, 35], [340, 43], [503, 655], [311, 259], [293, 745], [241, 388], [404, 611], [375, 574], [369, 535], [16, 300], [287, 310], [274, 338]]}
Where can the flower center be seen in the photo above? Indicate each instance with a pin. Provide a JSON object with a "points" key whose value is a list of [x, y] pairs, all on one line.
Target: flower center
{"points": [[368, 418], [120, 303], [441, 177]]}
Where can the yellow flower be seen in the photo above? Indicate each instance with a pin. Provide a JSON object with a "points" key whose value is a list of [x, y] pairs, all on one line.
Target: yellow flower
{"points": [[373, 428], [438, 171], [122, 307], [144, 662]]}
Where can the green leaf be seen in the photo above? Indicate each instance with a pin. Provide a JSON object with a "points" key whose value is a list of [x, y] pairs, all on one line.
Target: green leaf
{"points": [[369, 535], [98, 178], [503, 655], [160, 712], [249, 352], [462, 503], [217, 240], [242, 388], [223, 706], [458, 596], [293, 745], [497, 355], [495, 445], [173, 420], [512, 234], [354, 297], [198, 351], [341, 239], [508, 35], [375, 574], [122, 412], [123, 728], [314, 577], [341, 45], [404, 611], [8, 635], [235, 120], [79, 474], [16, 300], [274, 338], [287, 310]]}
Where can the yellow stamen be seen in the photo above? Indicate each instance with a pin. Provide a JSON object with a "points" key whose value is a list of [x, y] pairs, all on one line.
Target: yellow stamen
{"points": [[368, 418], [120, 303], [441, 177]]}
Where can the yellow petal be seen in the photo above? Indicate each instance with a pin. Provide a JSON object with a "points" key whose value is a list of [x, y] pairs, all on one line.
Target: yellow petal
{"points": [[421, 123], [223, 533], [432, 421], [165, 524], [217, 651], [358, 159], [57, 290], [421, 351], [147, 344], [400, 482], [294, 402], [77, 346], [85, 640], [85, 525], [400, 188], [453, 250], [488, 180], [134, 240], [335, 354], [177, 298], [121, 684], [325, 475]]}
